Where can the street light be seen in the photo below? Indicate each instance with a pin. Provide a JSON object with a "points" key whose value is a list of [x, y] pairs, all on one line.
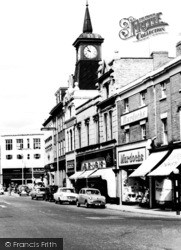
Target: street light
{"points": [[54, 129]]}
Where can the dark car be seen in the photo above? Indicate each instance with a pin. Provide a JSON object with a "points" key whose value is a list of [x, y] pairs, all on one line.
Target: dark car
{"points": [[49, 191]]}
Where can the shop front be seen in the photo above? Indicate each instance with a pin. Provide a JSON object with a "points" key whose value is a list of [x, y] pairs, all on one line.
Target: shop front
{"points": [[96, 171], [129, 159]]}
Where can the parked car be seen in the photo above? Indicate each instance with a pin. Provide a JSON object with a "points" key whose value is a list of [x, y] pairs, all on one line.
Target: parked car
{"points": [[1, 189], [64, 194], [49, 191], [91, 197], [23, 190], [37, 192]]}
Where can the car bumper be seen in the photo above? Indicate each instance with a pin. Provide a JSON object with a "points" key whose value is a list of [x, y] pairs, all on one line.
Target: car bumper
{"points": [[97, 203]]}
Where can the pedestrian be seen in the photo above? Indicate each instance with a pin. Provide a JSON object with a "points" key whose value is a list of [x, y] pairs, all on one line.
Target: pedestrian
{"points": [[9, 189]]}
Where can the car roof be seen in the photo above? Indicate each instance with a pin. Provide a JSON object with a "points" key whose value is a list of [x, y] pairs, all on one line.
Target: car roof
{"points": [[90, 189]]}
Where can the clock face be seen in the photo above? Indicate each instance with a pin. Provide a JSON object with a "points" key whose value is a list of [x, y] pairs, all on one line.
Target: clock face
{"points": [[90, 51]]}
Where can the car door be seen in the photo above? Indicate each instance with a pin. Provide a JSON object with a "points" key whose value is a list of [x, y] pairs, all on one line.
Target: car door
{"points": [[80, 196]]}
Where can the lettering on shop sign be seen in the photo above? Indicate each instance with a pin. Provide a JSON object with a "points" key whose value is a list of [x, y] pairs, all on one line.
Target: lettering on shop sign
{"points": [[131, 157], [143, 27], [134, 116], [93, 165]]}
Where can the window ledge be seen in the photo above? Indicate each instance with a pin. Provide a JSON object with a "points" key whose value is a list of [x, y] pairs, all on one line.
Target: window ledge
{"points": [[163, 98]]}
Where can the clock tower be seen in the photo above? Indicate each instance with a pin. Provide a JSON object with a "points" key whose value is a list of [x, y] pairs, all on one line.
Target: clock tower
{"points": [[88, 55]]}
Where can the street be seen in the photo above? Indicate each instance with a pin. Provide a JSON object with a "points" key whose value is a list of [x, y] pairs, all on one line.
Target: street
{"points": [[86, 228]]}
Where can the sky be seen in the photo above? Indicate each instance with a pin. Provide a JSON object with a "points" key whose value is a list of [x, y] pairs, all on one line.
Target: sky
{"points": [[37, 56]]}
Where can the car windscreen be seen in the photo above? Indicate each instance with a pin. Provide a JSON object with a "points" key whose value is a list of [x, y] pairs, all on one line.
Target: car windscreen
{"points": [[68, 190], [93, 192]]}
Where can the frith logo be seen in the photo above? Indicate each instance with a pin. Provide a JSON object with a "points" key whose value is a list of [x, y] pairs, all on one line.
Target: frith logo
{"points": [[142, 28], [132, 158]]}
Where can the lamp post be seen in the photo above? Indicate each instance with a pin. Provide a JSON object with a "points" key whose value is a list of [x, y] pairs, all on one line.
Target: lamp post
{"points": [[57, 156], [177, 190]]}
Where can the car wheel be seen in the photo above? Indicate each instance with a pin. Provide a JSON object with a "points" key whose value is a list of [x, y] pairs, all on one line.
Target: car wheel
{"points": [[60, 202], [86, 204], [103, 206], [55, 201], [78, 204], [36, 197], [32, 197]]}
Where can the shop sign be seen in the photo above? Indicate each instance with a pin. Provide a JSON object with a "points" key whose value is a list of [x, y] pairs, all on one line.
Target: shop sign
{"points": [[134, 116], [132, 157], [93, 164], [70, 165]]}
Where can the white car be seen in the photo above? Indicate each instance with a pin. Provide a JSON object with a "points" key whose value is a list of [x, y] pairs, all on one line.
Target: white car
{"points": [[64, 194]]}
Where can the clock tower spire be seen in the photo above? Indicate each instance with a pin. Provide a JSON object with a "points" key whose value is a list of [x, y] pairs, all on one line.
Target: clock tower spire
{"points": [[88, 54]]}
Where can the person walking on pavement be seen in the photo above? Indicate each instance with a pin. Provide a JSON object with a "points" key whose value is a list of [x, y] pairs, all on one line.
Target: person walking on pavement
{"points": [[9, 189]]}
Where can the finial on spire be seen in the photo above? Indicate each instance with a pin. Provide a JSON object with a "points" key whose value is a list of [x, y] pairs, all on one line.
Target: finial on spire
{"points": [[87, 27]]}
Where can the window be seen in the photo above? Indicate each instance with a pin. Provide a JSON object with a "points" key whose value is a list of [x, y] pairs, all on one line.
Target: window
{"points": [[19, 144], [107, 90], [96, 126], [9, 157], [37, 156], [19, 157], [143, 131], [36, 143], [163, 90], [105, 126], [142, 98], [9, 144], [164, 131], [79, 134], [126, 105], [28, 143], [110, 124], [71, 140], [87, 130], [28, 156], [127, 135]]}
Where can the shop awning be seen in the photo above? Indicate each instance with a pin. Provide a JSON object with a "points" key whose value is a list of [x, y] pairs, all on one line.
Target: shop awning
{"points": [[149, 164], [169, 165], [108, 175], [103, 172], [75, 175], [86, 174]]}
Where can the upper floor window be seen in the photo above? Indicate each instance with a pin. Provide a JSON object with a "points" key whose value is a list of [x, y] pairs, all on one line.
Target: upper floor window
{"points": [[165, 131], [9, 144], [87, 130], [36, 143], [28, 156], [126, 105], [105, 126], [107, 90], [9, 157], [163, 90], [19, 157], [110, 124], [37, 156], [127, 134], [19, 144], [96, 126], [142, 98], [28, 143], [143, 131], [79, 134], [71, 140]]}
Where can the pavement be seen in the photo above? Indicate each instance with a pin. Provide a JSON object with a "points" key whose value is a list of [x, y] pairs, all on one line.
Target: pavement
{"points": [[167, 213], [141, 210]]}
